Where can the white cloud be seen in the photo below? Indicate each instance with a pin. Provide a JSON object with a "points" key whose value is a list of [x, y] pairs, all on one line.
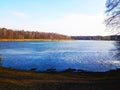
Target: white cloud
{"points": [[71, 24], [77, 24], [19, 14]]}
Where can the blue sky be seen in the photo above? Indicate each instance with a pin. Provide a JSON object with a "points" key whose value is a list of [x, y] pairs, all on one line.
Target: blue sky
{"points": [[70, 17]]}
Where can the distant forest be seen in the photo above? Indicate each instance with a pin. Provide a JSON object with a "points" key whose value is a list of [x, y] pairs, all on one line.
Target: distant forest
{"points": [[21, 34], [112, 37], [13, 34]]}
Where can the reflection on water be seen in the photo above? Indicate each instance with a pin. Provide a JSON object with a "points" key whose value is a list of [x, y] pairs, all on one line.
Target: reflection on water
{"points": [[117, 50], [0, 60]]}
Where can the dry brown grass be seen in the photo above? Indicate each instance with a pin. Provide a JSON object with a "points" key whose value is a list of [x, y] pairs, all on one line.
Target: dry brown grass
{"points": [[15, 80]]}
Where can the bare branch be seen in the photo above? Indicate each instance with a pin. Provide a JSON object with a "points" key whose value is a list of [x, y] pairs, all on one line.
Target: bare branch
{"points": [[112, 20]]}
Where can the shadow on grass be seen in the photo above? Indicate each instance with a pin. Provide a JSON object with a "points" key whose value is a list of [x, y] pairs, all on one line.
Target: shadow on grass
{"points": [[68, 79]]}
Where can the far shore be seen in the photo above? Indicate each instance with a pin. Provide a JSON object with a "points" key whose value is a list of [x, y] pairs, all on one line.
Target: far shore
{"points": [[38, 40], [20, 40]]}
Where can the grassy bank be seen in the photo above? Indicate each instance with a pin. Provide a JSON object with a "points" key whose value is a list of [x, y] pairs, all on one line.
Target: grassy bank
{"points": [[27, 80]]}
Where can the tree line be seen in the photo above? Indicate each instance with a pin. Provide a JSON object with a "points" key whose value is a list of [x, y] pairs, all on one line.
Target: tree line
{"points": [[21, 34], [112, 37]]}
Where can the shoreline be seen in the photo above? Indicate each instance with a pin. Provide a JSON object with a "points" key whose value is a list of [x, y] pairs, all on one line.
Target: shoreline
{"points": [[30, 40], [38, 40]]}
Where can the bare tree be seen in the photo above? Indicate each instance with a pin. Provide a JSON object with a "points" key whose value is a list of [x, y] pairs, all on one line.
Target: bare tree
{"points": [[113, 15], [14, 34]]}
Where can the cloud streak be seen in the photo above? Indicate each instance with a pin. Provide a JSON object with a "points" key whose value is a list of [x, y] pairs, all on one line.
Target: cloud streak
{"points": [[19, 14]]}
